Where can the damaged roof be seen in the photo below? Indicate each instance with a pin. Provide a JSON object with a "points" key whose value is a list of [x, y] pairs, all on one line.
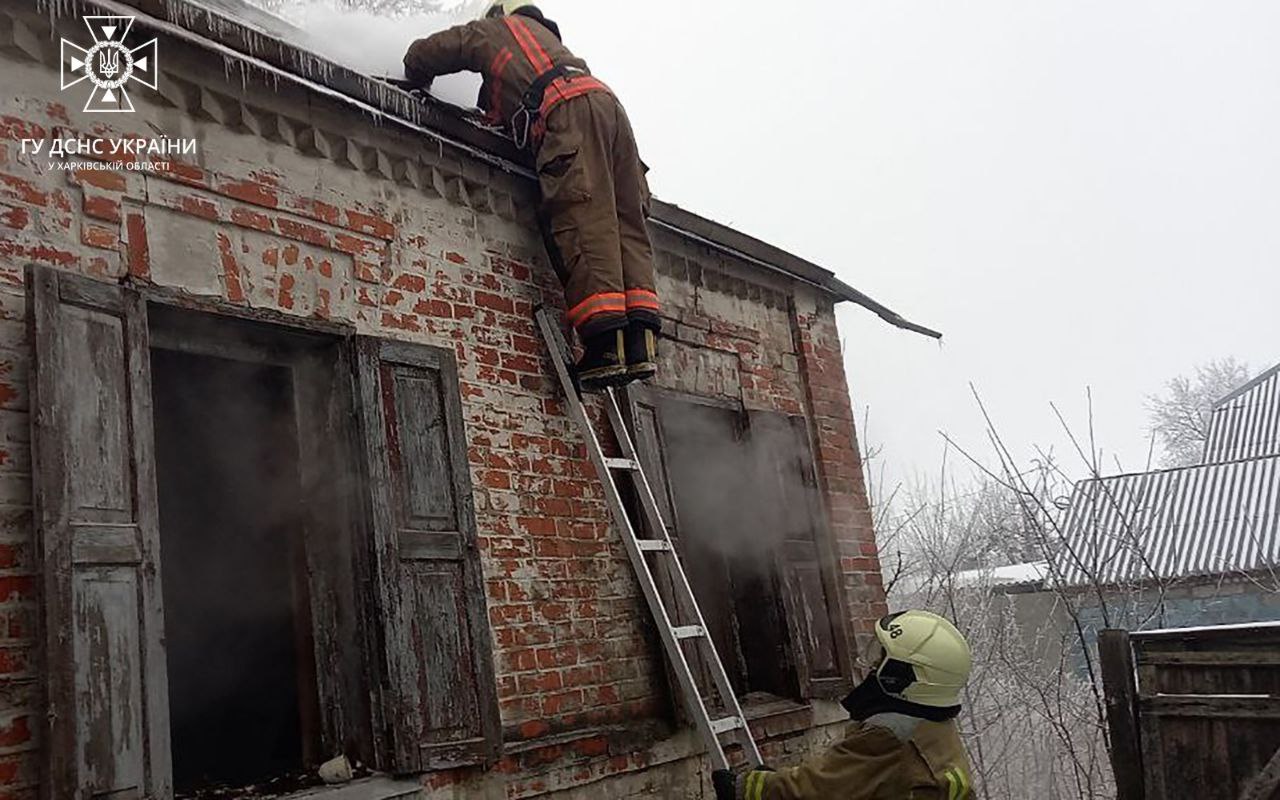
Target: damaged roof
{"points": [[238, 31]]}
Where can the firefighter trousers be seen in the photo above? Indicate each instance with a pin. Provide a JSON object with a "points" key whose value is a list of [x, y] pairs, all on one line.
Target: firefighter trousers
{"points": [[595, 200]]}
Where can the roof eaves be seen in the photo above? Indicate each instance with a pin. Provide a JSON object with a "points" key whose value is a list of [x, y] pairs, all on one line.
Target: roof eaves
{"points": [[450, 125], [1248, 387]]}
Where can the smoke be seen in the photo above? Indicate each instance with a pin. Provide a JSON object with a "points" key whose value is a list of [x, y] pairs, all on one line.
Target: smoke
{"points": [[369, 39], [739, 484]]}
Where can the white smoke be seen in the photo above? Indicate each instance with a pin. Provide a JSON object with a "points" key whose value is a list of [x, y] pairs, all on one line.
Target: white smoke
{"points": [[373, 43]]}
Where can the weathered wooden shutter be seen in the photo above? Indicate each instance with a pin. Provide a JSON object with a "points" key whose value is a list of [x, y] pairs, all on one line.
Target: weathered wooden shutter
{"points": [[97, 518], [814, 603], [437, 683]]}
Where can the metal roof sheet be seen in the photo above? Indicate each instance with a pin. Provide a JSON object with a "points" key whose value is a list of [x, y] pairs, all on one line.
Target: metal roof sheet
{"points": [[1246, 423], [1204, 520]]}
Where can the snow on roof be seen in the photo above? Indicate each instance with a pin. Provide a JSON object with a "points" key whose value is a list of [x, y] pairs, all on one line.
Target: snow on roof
{"points": [[1007, 575]]}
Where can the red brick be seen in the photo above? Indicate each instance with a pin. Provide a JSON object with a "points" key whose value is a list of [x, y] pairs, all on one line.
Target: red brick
{"points": [[433, 308], [15, 660], [101, 207], [139, 253], [303, 232], [100, 237], [16, 732], [198, 207], [15, 188], [230, 270], [347, 243], [109, 180], [409, 282], [15, 217], [563, 656], [456, 258], [285, 295], [494, 302], [16, 128], [248, 218], [367, 223], [537, 526], [250, 192], [182, 172], [533, 729]]}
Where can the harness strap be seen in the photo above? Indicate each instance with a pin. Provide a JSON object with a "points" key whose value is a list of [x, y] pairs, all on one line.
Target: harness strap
{"points": [[554, 85]]}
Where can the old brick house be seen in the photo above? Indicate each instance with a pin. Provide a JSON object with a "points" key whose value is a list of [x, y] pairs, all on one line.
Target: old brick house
{"points": [[286, 475]]}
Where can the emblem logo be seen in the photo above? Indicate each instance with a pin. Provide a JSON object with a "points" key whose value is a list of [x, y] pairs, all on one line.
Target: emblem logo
{"points": [[109, 64]]}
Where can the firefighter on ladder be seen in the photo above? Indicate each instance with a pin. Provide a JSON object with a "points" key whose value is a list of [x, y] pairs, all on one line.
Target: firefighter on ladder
{"points": [[594, 194], [903, 742]]}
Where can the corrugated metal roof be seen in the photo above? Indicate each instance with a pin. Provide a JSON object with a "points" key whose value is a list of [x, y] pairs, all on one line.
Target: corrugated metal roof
{"points": [[1246, 423], [1202, 520]]}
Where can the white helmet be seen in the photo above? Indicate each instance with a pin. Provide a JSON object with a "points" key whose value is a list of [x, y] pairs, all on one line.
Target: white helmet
{"points": [[923, 659], [503, 8]]}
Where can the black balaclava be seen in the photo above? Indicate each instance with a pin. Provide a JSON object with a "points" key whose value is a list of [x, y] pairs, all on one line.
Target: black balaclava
{"points": [[869, 698], [535, 13]]}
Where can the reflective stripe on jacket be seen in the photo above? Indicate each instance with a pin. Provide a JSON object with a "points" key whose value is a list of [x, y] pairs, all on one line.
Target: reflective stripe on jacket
{"points": [[511, 52]]}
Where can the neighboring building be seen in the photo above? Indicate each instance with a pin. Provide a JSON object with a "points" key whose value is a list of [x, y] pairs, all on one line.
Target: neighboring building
{"points": [[1197, 545], [304, 481]]}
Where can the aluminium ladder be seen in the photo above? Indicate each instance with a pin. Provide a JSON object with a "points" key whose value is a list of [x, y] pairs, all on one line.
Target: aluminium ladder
{"points": [[677, 627]]}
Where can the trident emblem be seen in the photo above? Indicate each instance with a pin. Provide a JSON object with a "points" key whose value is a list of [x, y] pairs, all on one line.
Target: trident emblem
{"points": [[109, 64]]}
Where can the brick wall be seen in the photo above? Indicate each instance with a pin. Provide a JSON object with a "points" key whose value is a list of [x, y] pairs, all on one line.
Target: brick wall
{"points": [[300, 206]]}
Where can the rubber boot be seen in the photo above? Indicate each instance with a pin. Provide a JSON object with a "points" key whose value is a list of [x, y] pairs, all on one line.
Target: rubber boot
{"points": [[604, 361], [642, 351]]}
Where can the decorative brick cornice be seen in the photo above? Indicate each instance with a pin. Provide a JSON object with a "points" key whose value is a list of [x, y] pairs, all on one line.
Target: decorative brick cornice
{"points": [[424, 165]]}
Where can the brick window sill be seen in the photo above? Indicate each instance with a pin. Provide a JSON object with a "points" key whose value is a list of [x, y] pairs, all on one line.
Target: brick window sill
{"points": [[376, 788], [772, 717]]}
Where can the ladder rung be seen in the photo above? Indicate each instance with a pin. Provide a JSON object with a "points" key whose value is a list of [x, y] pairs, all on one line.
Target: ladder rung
{"points": [[651, 545], [719, 726], [689, 632], [621, 463]]}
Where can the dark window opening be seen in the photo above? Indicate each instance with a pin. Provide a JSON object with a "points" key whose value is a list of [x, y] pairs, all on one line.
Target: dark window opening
{"points": [[241, 672], [738, 494], [728, 543]]}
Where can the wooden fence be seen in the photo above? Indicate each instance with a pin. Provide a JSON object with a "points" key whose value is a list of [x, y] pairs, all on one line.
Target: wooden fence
{"points": [[1194, 713]]}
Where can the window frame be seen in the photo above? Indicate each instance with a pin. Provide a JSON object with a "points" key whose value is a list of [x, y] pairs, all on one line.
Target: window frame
{"points": [[806, 685], [324, 356]]}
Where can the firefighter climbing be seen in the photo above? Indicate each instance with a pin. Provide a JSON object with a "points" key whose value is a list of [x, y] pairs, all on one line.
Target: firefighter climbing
{"points": [[903, 741], [594, 194]]}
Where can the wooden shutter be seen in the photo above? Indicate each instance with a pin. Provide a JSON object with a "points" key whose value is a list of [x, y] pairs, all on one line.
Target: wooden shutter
{"points": [[437, 683], [97, 517], [814, 604]]}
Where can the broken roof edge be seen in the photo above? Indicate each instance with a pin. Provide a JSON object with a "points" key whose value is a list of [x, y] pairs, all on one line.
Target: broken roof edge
{"points": [[449, 124]]}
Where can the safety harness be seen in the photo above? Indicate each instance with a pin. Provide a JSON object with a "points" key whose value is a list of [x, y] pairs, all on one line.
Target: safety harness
{"points": [[554, 85], [530, 111]]}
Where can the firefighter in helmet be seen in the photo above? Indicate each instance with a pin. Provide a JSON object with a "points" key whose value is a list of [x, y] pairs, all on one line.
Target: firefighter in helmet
{"points": [[595, 198], [903, 742]]}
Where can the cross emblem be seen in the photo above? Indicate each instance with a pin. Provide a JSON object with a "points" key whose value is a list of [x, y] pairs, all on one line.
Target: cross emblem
{"points": [[109, 64]]}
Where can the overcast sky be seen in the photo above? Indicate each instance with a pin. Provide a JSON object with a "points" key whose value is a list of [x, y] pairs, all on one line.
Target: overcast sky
{"points": [[1079, 194]]}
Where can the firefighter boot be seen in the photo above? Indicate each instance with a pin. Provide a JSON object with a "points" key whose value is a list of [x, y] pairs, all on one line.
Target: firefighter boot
{"points": [[604, 361], [642, 351]]}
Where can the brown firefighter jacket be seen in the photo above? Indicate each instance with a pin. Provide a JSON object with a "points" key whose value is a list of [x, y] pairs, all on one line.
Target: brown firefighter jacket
{"points": [[594, 193], [888, 757], [511, 52]]}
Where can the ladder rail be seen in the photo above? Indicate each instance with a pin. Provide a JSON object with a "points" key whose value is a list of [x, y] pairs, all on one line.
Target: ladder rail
{"points": [[684, 674], [649, 503]]}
